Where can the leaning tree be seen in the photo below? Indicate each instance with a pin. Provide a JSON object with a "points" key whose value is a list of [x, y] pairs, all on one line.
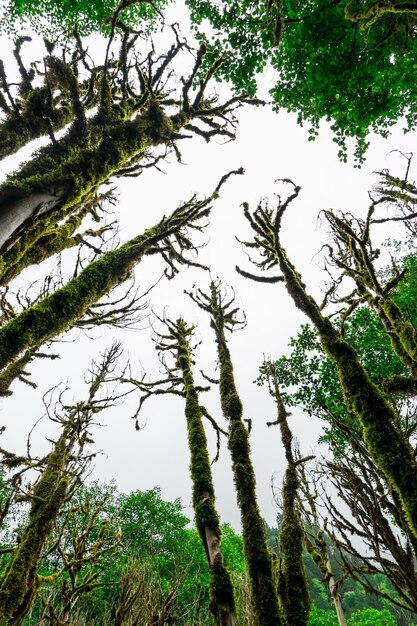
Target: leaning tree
{"points": [[374, 415]]}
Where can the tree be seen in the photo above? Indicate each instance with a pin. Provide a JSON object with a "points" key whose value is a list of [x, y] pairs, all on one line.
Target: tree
{"points": [[362, 478], [60, 473], [179, 380], [292, 580], [83, 543], [312, 382], [347, 62], [152, 566], [223, 316], [375, 416], [350, 63], [43, 203]]}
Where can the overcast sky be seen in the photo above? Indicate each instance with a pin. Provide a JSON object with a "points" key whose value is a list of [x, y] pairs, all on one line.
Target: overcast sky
{"points": [[268, 146]]}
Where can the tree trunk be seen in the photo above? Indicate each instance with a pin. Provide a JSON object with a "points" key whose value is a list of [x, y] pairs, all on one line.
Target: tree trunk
{"points": [[207, 521], [17, 212], [264, 594], [336, 598]]}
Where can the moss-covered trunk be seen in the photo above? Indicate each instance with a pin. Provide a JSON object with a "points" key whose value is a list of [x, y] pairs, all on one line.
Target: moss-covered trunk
{"points": [[293, 587], [55, 184], [265, 600], [294, 594], [207, 521], [19, 582], [390, 450]]}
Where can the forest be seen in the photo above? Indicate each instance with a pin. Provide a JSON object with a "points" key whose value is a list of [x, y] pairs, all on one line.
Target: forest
{"points": [[208, 313]]}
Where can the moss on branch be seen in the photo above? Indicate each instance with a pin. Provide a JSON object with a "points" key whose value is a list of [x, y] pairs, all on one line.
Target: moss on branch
{"points": [[60, 310]]}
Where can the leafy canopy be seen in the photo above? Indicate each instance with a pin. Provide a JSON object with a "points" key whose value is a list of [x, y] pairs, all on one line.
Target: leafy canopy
{"points": [[336, 60], [364, 617], [332, 64], [52, 17]]}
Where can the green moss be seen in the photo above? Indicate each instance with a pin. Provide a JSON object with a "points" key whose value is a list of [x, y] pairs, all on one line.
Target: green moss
{"points": [[13, 371], [389, 449], [295, 597], [18, 130], [291, 577], [203, 490], [221, 588], [62, 74], [404, 333], [72, 170], [222, 602], [57, 312], [19, 581], [264, 595]]}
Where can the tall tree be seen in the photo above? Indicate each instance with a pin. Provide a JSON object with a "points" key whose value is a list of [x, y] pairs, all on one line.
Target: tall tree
{"points": [[60, 473], [315, 540], [179, 380], [292, 580], [223, 316], [43, 203], [375, 416], [343, 61]]}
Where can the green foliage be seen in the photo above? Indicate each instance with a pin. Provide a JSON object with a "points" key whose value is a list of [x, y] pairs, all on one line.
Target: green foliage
{"points": [[372, 617], [364, 617], [358, 76], [52, 17], [153, 534], [319, 617], [404, 295]]}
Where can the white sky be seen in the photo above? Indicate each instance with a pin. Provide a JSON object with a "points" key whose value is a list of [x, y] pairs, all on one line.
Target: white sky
{"points": [[268, 146]]}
